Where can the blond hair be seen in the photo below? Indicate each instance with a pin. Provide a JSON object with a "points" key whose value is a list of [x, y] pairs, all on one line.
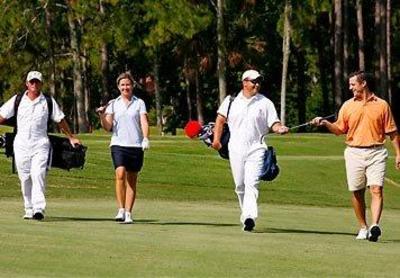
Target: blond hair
{"points": [[125, 75]]}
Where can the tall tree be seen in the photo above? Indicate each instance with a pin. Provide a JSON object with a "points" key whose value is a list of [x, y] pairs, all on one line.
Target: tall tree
{"points": [[221, 44], [286, 53], [360, 34], [81, 118], [338, 52]]}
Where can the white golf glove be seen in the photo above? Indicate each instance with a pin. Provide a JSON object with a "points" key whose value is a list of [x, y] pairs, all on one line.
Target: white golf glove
{"points": [[145, 144]]}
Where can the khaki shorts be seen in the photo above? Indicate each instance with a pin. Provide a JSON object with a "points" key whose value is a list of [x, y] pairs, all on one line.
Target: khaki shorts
{"points": [[365, 167]]}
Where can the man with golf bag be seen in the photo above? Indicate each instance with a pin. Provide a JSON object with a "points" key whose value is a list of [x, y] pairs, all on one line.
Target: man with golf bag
{"points": [[249, 116], [366, 120], [31, 143]]}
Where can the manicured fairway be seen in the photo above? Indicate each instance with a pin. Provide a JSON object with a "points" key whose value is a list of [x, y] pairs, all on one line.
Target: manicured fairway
{"points": [[187, 219], [196, 239]]}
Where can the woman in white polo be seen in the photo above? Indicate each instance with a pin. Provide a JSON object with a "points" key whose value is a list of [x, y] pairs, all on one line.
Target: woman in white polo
{"points": [[251, 116], [126, 118]]}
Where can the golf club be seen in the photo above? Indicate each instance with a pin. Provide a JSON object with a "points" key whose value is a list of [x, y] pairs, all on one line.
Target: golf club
{"points": [[308, 123]]}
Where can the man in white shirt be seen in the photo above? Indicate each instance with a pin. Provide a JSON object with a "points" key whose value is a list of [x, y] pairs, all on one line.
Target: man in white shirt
{"points": [[31, 144], [251, 116]]}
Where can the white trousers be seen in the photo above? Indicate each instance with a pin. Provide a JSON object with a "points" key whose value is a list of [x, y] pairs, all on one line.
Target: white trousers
{"points": [[31, 160], [246, 168]]}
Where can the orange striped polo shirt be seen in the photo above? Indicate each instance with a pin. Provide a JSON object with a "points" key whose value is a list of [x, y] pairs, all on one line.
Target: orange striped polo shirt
{"points": [[365, 123]]}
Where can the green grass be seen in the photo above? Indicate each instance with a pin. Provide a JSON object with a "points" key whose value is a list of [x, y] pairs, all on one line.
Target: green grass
{"points": [[187, 218]]}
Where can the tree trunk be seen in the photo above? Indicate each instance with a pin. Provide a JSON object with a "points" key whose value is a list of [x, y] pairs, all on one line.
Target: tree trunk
{"points": [[86, 89], [346, 54], [157, 91], [221, 51], [49, 31], [199, 103], [382, 51], [388, 49], [360, 33], [77, 72], [104, 64], [286, 53], [338, 53]]}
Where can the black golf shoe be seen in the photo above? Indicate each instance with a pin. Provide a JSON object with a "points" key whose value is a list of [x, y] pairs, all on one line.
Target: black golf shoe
{"points": [[249, 225]]}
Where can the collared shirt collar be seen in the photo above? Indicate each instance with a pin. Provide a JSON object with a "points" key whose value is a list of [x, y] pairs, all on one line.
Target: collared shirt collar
{"points": [[372, 97], [256, 96]]}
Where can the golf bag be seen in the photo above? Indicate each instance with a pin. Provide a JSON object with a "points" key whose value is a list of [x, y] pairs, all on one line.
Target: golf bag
{"points": [[207, 136], [270, 168], [62, 154]]}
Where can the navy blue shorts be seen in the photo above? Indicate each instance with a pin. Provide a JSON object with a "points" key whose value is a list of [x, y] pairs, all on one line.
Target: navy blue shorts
{"points": [[129, 157]]}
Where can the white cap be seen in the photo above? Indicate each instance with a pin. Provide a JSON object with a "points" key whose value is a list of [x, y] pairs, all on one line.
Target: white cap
{"points": [[250, 75], [34, 75]]}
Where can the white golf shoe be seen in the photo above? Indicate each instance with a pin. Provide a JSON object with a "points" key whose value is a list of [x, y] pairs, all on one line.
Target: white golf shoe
{"points": [[120, 217], [128, 218], [28, 214], [362, 234], [374, 233]]}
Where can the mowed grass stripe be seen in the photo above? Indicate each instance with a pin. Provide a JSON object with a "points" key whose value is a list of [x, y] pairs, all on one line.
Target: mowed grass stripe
{"points": [[192, 239]]}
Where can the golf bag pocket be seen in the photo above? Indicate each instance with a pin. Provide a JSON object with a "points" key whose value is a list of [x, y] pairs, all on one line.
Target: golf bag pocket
{"points": [[270, 168]]}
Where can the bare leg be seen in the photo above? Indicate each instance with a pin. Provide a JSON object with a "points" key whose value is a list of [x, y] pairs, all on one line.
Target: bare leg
{"points": [[120, 186], [376, 203], [358, 201], [131, 180]]}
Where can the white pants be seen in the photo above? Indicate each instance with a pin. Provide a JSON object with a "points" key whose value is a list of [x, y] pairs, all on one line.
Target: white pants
{"points": [[246, 168], [31, 160]]}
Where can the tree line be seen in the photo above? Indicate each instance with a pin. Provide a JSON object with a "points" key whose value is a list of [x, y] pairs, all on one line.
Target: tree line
{"points": [[187, 55]]}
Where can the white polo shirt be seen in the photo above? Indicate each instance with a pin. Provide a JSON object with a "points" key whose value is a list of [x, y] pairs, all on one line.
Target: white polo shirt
{"points": [[32, 116], [126, 131], [248, 120]]}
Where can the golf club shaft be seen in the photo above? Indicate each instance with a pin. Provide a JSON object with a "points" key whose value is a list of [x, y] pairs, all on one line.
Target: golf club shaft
{"points": [[308, 123]]}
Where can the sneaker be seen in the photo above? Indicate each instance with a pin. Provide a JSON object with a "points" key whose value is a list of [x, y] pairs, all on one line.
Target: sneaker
{"points": [[38, 215], [128, 218], [362, 234], [120, 217], [28, 214], [249, 225], [374, 233]]}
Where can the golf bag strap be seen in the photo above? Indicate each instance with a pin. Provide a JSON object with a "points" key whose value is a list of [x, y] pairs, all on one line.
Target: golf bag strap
{"points": [[17, 102], [231, 99]]}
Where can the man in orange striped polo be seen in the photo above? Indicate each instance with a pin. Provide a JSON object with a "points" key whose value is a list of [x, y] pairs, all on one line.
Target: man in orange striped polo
{"points": [[366, 120]]}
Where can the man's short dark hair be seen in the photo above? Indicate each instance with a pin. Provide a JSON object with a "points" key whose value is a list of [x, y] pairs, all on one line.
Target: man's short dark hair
{"points": [[364, 76]]}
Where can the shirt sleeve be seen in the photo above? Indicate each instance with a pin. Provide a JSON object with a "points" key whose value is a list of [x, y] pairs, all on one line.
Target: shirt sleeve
{"points": [[272, 115], [7, 110], [389, 124], [142, 107], [223, 109], [110, 107], [57, 114], [342, 120]]}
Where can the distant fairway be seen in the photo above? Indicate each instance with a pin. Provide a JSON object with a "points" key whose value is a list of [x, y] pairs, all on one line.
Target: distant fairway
{"points": [[187, 220]]}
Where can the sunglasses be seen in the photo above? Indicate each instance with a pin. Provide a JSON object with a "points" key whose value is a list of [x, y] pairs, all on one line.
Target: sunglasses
{"points": [[255, 81]]}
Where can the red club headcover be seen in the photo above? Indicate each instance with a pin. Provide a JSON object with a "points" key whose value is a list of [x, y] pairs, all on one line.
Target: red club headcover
{"points": [[192, 129]]}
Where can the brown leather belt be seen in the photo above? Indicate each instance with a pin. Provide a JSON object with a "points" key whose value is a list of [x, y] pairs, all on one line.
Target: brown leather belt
{"points": [[367, 147]]}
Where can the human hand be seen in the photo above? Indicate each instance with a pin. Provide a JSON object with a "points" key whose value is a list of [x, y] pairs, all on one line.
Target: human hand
{"points": [[216, 145], [398, 162], [145, 144], [317, 121], [100, 110], [74, 141], [282, 130]]}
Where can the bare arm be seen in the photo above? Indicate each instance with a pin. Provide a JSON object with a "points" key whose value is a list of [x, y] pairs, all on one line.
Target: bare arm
{"points": [[64, 127], [319, 121], [394, 137], [144, 123], [219, 124], [2, 120]]}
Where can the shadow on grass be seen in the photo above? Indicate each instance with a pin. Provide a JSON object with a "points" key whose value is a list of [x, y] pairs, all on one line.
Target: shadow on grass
{"points": [[299, 231], [136, 221]]}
